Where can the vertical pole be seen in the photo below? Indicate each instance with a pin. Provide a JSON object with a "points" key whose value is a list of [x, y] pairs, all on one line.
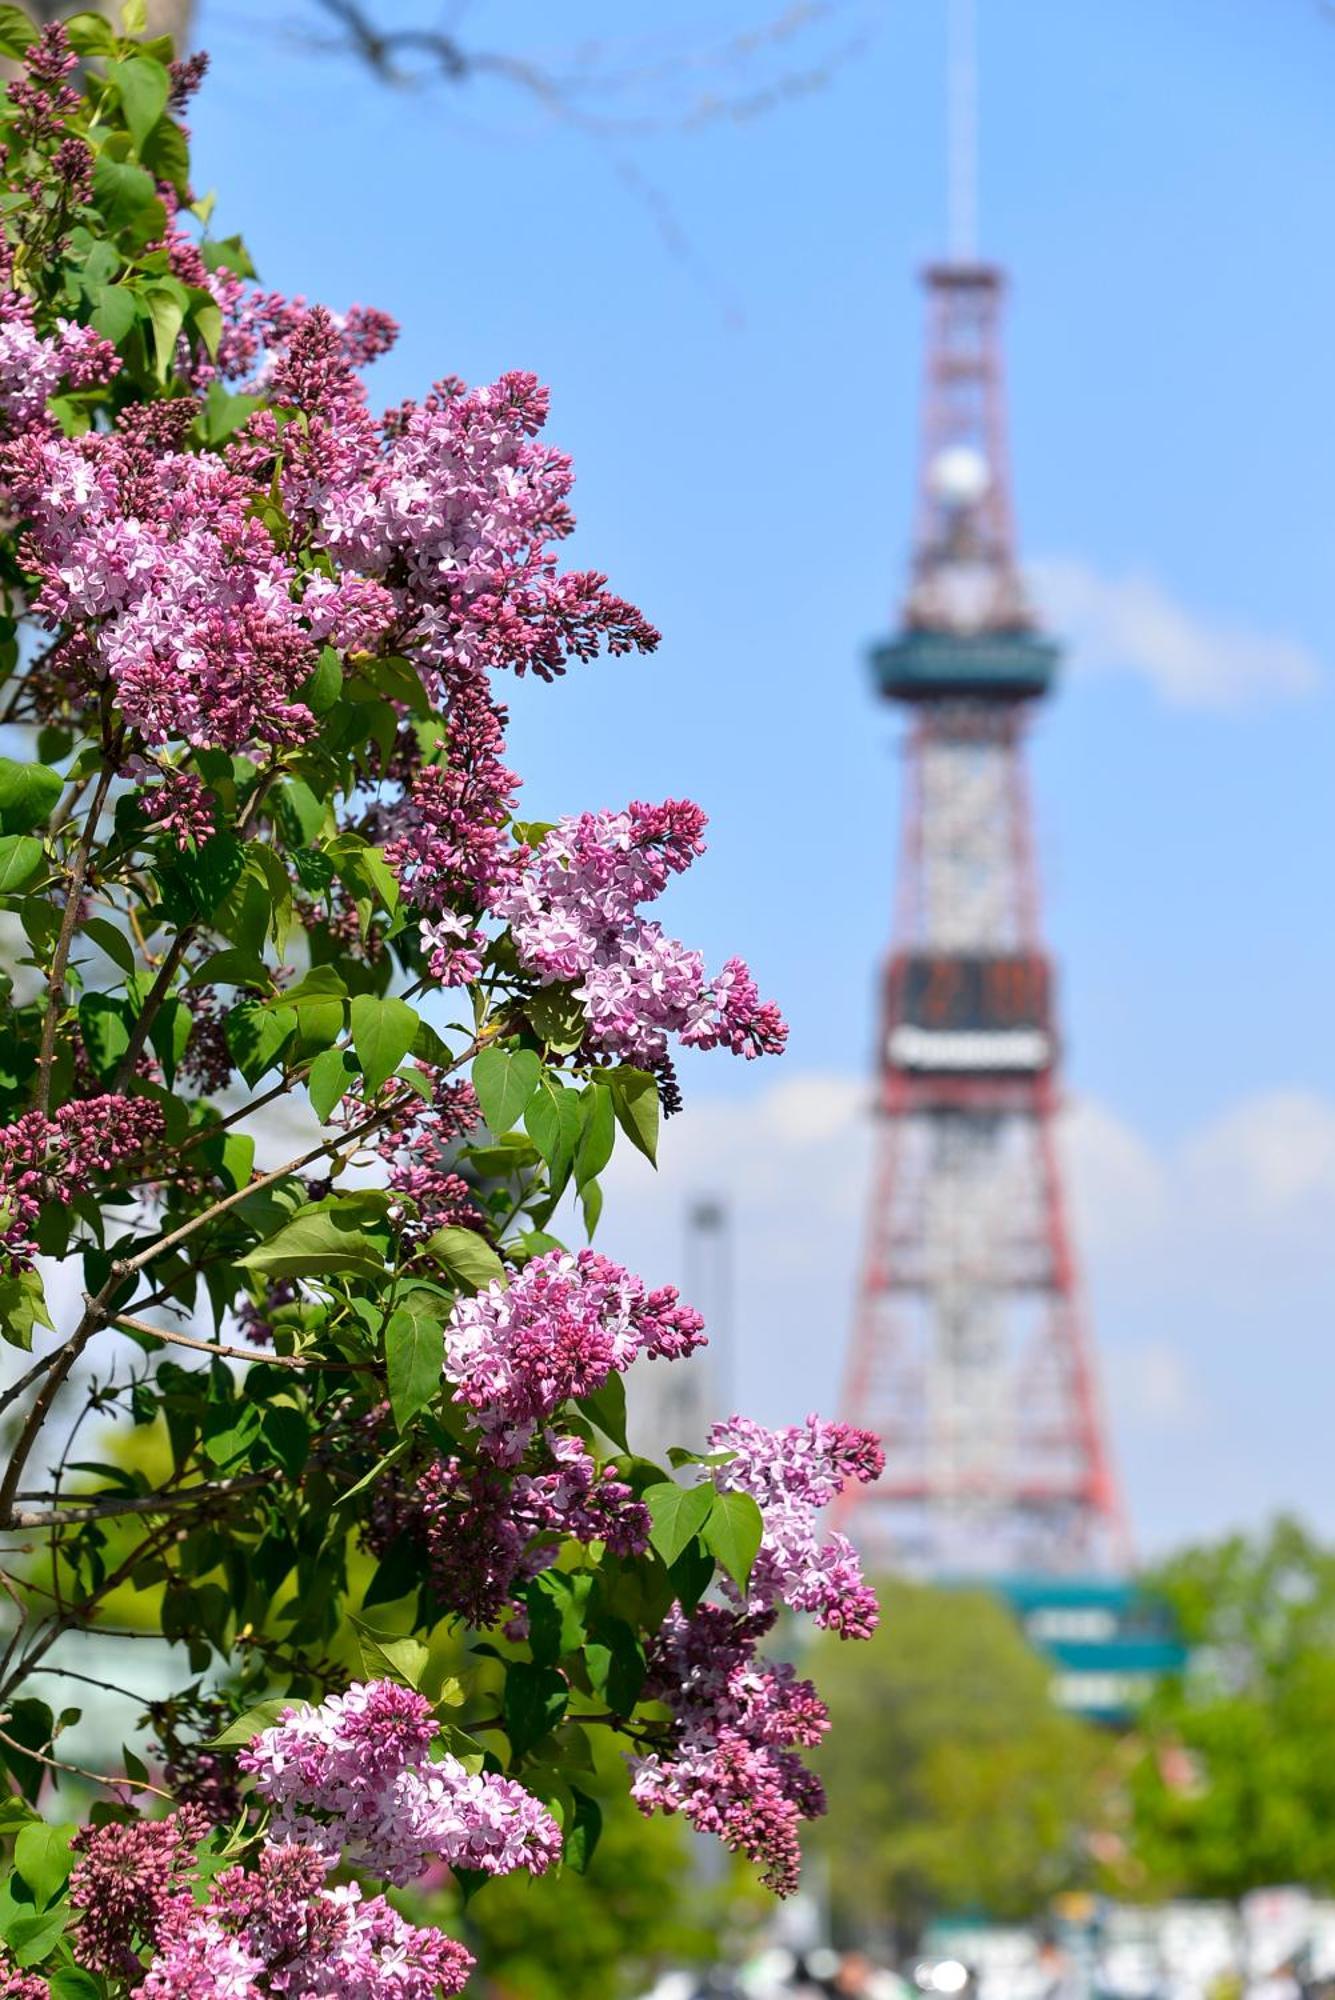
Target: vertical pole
{"points": [[962, 121]]}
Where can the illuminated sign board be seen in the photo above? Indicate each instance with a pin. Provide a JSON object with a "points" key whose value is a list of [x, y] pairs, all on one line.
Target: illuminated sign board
{"points": [[968, 1012]]}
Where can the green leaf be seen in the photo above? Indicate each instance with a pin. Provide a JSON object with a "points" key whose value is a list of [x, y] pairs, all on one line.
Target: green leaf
{"points": [[311, 1246], [169, 1034], [557, 1017], [144, 86], [635, 1101], [232, 968], [207, 321], [256, 1035], [287, 1434], [134, 17], [382, 1034], [504, 1083], [597, 1136], [30, 1938], [262, 1716], [105, 1030], [17, 32], [44, 1859], [414, 1357], [691, 1575], [110, 940], [535, 1700], [615, 1661], [22, 1307], [28, 793], [167, 316], [28, 1727], [330, 1075], [91, 35], [20, 860], [468, 1258], [606, 1407], [122, 191], [733, 1532], [582, 1833], [678, 1513], [71, 1983], [557, 1603], [406, 1659], [544, 1125], [115, 310]]}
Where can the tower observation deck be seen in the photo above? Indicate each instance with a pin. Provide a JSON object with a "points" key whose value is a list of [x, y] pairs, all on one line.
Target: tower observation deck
{"points": [[970, 1356]]}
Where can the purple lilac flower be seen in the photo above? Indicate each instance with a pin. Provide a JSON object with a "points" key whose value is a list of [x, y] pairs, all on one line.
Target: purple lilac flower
{"points": [[731, 1768], [557, 1329], [575, 917], [792, 1474], [353, 1777], [276, 1929], [129, 1879]]}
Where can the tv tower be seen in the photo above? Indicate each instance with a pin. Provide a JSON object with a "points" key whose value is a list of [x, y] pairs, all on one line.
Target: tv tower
{"points": [[970, 1357]]}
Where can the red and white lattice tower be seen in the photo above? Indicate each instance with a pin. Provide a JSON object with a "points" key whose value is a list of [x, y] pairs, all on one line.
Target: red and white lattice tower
{"points": [[970, 1357]]}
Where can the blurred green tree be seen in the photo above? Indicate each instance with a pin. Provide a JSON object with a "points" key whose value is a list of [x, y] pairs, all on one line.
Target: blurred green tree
{"points": [[1234, 1786], [955, 1783]]}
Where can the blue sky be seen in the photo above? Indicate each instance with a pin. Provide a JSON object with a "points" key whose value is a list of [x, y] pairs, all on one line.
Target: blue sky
{"points": [[1161, 182]]}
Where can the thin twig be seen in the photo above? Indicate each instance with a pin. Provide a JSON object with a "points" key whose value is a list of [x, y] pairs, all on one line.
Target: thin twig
{"points": [[212, 1347], [76, 1512], [79, 1771]]}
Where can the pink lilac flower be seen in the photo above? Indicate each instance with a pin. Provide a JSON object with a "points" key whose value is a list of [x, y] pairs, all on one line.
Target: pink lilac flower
{"points": [[277, 1929], [33, 367], [16, 1985], [482, 1533], [128, 1880], [47, 1159], [449, 843], [731, 1766], [175, 590], [792, 1474], [415, 1143], [178, 805], [574, 916], [353, 1776], [557, 1329], [455, 518]]}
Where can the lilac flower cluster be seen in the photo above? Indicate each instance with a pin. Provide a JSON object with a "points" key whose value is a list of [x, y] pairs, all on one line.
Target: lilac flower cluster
{"points": [[455, 514], [575, 917], [353, 1776], [557, 1329], [415, 1141], [732, 1768], [16, 1985], [482, 1534], [277, 1929], [792, 1474], [451, 847], [179, 806], [32, 368], [45, 1159], [173, 589], [126, 1883]]}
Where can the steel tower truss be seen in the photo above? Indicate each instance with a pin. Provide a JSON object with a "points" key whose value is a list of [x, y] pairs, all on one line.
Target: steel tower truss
{"points": [[970, 1357]]}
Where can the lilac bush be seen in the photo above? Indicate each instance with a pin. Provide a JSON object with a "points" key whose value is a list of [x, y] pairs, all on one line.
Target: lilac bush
{"points": [[261, 872]]}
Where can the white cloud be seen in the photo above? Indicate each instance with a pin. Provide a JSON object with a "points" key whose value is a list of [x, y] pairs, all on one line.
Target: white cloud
{"points": [[1130, 625]]}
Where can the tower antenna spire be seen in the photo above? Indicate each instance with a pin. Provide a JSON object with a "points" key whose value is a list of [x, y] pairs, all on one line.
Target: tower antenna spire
{"points": [[962, 125]]}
